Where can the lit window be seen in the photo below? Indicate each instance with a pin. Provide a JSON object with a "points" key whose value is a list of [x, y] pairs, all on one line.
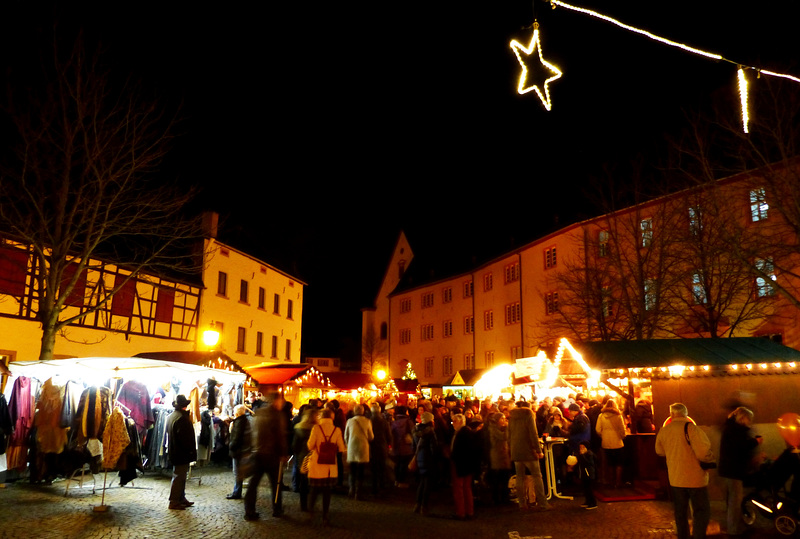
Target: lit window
{"points": [[698, 289], [764, 280], [602, 243], [758, 204], [646, 229]]}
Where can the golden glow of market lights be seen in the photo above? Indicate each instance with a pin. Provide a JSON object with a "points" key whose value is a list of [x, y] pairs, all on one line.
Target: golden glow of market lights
{"points": [[495, 381], [524, 55]]}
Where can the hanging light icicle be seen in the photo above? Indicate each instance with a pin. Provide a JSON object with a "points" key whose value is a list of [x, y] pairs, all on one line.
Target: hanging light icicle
{"points": [[743, 98]]}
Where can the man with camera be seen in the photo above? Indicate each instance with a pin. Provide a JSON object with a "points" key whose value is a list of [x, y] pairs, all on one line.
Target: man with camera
{"points": [[688, 453]]}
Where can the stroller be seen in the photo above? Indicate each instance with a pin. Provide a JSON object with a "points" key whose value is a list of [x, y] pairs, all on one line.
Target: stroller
{"points": [[771, 497]]}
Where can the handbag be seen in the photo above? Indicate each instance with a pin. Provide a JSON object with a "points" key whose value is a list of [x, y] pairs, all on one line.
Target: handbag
{"points": [[306, 462], [703, 465]]}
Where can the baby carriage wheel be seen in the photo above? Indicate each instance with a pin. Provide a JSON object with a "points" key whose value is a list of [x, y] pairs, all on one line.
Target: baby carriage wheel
{"points": [[749, 513], [785, 524]]}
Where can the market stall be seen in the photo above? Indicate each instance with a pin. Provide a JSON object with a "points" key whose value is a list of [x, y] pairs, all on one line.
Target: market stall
{"points": [[297, 383], [71, 401]]}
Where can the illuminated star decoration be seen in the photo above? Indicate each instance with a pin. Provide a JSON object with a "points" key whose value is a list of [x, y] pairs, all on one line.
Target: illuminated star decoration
{"points": [[524, 55]]}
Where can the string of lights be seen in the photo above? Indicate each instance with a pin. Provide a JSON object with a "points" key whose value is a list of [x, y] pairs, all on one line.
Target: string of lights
{"points": [[523, 54]]}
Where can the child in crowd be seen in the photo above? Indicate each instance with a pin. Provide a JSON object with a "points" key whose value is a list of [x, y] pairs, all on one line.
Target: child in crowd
{"points": [[586, 464]]}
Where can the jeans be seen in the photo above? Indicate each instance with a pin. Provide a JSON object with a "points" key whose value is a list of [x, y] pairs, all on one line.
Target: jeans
{"points": [[701, 511], [238, 480], [538, 484], [177, 490], [733, 490]]}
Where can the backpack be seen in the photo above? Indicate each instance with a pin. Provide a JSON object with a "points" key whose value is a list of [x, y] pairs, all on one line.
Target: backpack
{"points": [[327, 450]]}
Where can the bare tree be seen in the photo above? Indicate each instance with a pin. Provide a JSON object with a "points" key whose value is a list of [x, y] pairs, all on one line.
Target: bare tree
{"points": [[373, 350], [82, 185]]}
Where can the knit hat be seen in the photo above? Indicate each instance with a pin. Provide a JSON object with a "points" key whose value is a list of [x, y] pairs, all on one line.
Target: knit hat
{"points": [[574, 407], [427, 417]]}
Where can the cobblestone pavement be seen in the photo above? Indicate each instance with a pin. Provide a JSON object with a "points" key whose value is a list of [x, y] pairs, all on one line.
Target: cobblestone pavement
{"points": [[140, 511]]}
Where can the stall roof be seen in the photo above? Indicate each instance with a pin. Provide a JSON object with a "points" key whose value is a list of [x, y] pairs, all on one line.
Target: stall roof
{"points": [[277, 375], [466, 377], [350, 380], [406, 385], [98, 368], [667, 352], [217, 359]]}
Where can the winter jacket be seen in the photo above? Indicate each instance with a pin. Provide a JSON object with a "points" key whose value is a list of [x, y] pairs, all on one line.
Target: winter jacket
{"points": [[499, 453], [325, 430], [427, 448], [735, 450], [578, 432], [269, 436], [180, 438], [523, 438], [683, 458], [611, 428], [239, 441], [357, 435], [402, 439]]}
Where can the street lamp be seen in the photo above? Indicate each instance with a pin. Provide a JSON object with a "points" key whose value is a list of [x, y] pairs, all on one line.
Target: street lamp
{"points": [[211, 336]]}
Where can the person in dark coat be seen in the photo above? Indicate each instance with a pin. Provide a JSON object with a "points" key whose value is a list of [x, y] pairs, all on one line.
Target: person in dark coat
{"points": [[402, 445], [238, 447], [427, 448], [588, 471], [379, 448], [526, 452], [271, 450], [465, 458], [735, 455], [182, 451]]}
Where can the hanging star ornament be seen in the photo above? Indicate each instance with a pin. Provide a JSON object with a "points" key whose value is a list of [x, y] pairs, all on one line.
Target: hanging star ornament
{"points": [[525, 55]]}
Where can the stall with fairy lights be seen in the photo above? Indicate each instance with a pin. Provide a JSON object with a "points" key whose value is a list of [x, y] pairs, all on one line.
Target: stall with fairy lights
{"points": [[297, 383]]}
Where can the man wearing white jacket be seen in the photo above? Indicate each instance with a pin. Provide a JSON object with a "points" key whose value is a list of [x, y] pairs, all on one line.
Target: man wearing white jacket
{"points": [[685, 445]]}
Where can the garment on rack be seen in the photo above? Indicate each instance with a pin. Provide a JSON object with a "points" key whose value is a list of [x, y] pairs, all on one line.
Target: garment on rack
{"points": [[131, 459], [50, 436], [69, 404], [6, 426], [135, 397], [21, 409], [194, 407], [115, 439], [93, 410]]}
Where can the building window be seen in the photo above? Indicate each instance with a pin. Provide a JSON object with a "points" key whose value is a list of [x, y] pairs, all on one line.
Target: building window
{"points": [[447, 365], [222, 284], [336, 363], [427, 332], [447, 328], [487, 282], [605, 302], [468, 289], [322, 363], [427, 300], [489, 358], [695, 222], [650, 294], [646, 230], [766, 270], [469, 325], [516, 352], [602, 243], [276, 304], [428, 367], [550, 259], [288, 349], [405, 305], [513, 313], [469, 361], [512, 272], [262, 298], [405, 336], [447, 295], [488, 320], [758, 204], [241, 335], [259, 344], [698, 289], [551, 303], [289, 309], [243, 291]]}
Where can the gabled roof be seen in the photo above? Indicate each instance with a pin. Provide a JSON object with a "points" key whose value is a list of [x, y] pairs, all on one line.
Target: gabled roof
{"points": [[280, 375], [466, 377], [686, 352], [215, 360], [350, 380]]}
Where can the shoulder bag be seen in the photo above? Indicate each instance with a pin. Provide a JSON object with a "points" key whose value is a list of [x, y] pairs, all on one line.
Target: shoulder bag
{"points": [[703, 465]]}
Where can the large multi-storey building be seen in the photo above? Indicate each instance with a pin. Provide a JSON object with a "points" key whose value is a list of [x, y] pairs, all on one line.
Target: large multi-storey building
{"points": [[716, 260], [256, 309]]}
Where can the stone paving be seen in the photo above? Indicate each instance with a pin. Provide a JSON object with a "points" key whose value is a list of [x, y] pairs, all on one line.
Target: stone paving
{"points": [[140, 511]]}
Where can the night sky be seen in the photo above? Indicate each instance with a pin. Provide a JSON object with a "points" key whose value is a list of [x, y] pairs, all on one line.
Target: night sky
{"points": [[319, 130]]}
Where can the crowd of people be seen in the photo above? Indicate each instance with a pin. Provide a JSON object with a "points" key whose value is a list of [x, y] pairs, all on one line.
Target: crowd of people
{"points": [[472, 448]]}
